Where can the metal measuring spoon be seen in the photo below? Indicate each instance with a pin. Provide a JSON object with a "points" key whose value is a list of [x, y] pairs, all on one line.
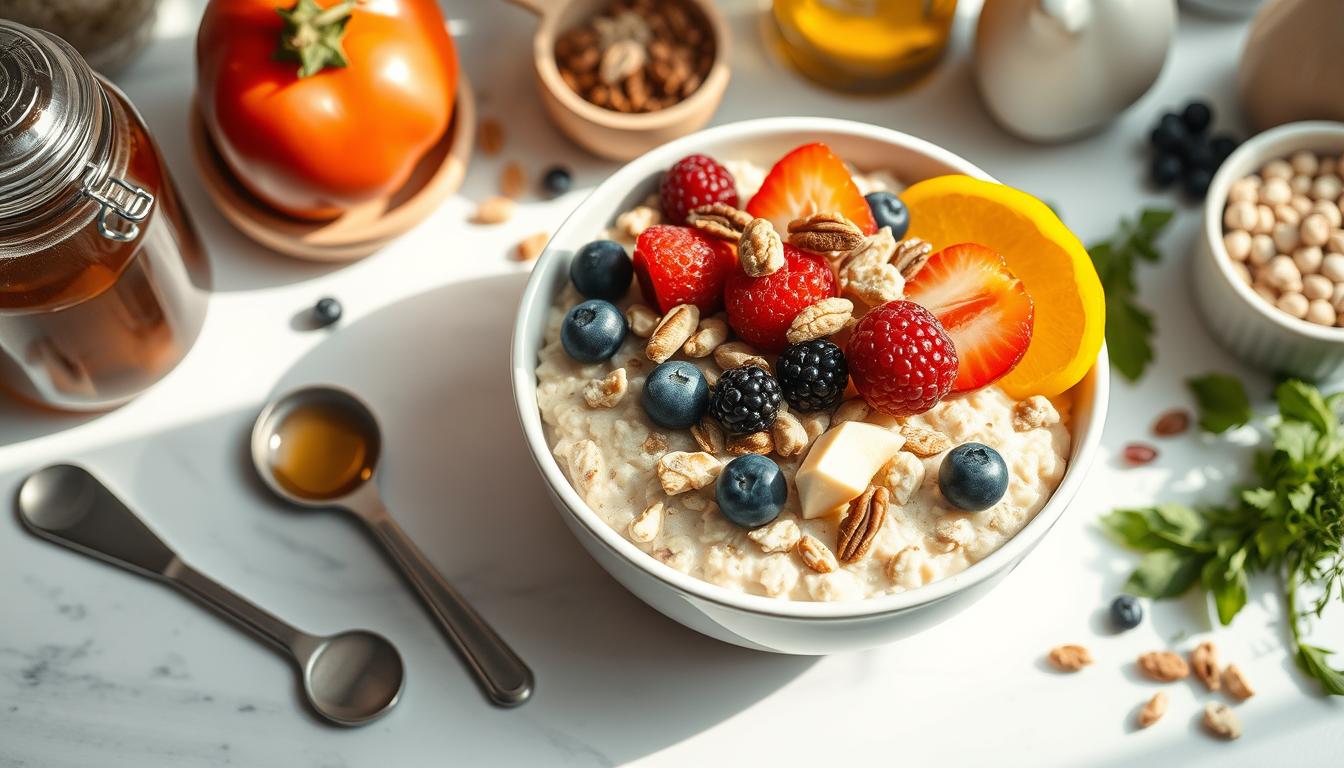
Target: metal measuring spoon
{"points": [[333, 466], [349, 678]]}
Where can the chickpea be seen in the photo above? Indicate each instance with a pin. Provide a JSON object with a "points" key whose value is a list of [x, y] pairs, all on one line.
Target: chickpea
{"points": [[1287, 214], [1300, 184], [1315, 230], [1276, 169], [1302, 204], [1283, 274], [1244, 191], [1327, 187], [1241, 215], [1317, 287], [1262, 250], [1238, 244], [1305, 163], [1321, 312], [1337, 298], [1330, 211], [1333, 267], [1294, 304], [1266, 292], [1308, 259], [1244, 275], [1286, 237], [1276, 192], [1336, 242], [1264, 220]]}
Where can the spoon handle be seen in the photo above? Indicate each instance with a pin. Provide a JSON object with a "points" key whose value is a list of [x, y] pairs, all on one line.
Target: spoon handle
{"points": [[230, 604], [504, 676]]}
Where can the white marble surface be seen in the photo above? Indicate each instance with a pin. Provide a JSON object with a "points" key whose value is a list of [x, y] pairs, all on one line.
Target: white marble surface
{"points": [[101, 668]]}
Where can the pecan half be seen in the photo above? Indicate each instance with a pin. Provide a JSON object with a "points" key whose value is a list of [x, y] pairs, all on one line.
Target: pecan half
{"points": [[862, 523], [1163, 666], [709, 436], [815, 555], [822, 319], [1236, 684], [825, 233], [911, 256], [756, 442], [924, 442], [672, 332], [1221, 721], [719, 220], [1069, 658], [760, 249], [1153, 710], [1204, 661]]}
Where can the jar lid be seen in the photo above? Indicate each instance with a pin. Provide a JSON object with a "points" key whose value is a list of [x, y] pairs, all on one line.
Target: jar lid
{"points": [[51, 113]]}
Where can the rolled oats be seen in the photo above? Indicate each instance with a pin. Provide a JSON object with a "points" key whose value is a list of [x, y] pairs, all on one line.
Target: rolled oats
{"points": [[680, 471], [720, 220], [1163, 666], [672, 332], [641, 320], [736, 354], [677, 552], [607, 391], [1234, 683], [709, 436], [713, 332], [822, 319], [1034, 412], [585, 465], [1153, 710], [815, 555], [756, 442], [953, 533], [903, 474], [789, 435], [867, 274], [904, 567], [645, 526], [760, 250], [779, 536], [654, 443], [1204, 662], [1070, 658], [924, 442], [825, 233], [1221, 721], [862, 523], [633, 222]]}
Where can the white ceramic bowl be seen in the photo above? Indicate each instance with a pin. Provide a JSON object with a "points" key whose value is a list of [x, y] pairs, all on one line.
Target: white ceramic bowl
{"points": [[749, 620], [1259, 334]]}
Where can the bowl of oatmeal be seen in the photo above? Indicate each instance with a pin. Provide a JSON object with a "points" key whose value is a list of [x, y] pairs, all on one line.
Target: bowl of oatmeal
{"points": [[851, 537]]}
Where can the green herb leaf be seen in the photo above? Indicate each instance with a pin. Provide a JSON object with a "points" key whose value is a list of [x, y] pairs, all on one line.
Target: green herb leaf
{"points": [[1165, 573], [1302, 402], [1228, 586], [1312, 661], [1128, 332], [1222, 401], [1129, 327]]}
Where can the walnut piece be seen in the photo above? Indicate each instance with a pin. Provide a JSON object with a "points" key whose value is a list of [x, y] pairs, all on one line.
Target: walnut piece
{"points": [[1069, 658], [641, 319], [760, 250], [1153, 710], [681, 471], [736, 354], [1235, 684], [822, 319], [645, 526], [815, 555], [1221, 721], [866, 274], [756, 442], [608, 391], [672, 332], [779, 536], [1204, 662], [862, 523], [633, 222], [825, 233], [713, 332], [1163, 666], [924, 442]]}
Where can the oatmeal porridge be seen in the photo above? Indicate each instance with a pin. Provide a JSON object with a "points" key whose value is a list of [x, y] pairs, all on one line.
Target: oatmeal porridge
{"points": [[863, 504]]}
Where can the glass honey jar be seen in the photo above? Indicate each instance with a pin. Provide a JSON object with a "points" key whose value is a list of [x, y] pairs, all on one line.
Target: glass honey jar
{"points": [[103, 280]]}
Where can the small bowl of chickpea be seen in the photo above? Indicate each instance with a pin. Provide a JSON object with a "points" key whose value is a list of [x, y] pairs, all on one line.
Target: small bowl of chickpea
{"points": [[1269, 279]]}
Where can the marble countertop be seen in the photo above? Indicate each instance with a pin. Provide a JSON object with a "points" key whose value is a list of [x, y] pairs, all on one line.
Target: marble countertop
{"points": [[101, 668]]}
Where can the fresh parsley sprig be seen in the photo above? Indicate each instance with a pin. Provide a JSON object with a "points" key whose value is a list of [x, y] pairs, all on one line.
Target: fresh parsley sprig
{"points": [[1291, 523], [1129, 327]]}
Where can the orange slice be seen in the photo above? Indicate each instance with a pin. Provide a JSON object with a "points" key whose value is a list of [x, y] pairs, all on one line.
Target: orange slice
{"points": [[1042, 252]]}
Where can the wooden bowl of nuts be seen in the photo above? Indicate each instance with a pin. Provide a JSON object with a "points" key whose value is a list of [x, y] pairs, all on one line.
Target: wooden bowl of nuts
{"points": [[1269, 279], [620, 77]]}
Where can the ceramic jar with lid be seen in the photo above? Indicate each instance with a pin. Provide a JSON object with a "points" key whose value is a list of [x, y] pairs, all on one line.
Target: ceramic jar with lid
{"points": [[103, 281]]}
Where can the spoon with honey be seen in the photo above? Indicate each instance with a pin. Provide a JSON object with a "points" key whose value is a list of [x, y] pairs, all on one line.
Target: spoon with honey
{"points": [[318, 447]]}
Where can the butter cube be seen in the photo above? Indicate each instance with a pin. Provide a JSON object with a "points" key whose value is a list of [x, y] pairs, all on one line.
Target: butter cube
{"points": [[841, 464]]}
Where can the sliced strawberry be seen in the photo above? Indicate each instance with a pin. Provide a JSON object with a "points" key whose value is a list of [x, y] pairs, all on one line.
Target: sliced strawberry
{"points": [[808, 180], [760, 309], [679, 265], [984, 307]]}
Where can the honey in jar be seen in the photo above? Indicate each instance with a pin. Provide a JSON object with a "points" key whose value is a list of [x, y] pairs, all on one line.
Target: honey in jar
{"points": [[103, 281]]}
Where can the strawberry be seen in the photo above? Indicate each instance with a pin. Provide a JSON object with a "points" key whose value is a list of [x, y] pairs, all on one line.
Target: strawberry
{"points": [[984, 307], [694, 181], [678, 265], [900, 359], [808, 180], [760, 309]]}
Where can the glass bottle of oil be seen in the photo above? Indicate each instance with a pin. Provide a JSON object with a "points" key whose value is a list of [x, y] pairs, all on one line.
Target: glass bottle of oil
{"points": [[864, 45]]}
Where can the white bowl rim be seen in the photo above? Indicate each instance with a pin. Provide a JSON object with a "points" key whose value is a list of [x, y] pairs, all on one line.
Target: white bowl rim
{"points": [[1254, 150], [523, 371]]}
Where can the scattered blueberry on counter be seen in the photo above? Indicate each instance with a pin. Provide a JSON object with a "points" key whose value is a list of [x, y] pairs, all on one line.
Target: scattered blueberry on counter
{"points": [[593, 331], [556, 181], [813, 375], [1126, 612], [327, 311], [602, 270], [675, 395], [889, 211], [751, 490], [1183, 150], [973, 477], [746, 400]]}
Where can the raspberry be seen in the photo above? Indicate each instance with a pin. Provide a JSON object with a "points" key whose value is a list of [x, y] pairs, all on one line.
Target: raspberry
{"points": [[746, 400], [813, 375], [677, 265], [760, 309], [900, 359], [694, 181]]}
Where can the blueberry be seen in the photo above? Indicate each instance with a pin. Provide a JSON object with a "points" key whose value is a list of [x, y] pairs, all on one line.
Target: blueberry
{"points": [[973, 477], [1164, 170], [751, 490], [326, 311], [1170, 134], [676, 395], [602, 270], [889, 212], [1197, 182], [1223, 145], [556, 180], [1198, 153], [1197, 116], [1126, 612], [593, 331]]}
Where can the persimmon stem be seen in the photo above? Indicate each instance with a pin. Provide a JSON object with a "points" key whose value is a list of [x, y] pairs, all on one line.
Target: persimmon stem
{"points": [[313, 35]]}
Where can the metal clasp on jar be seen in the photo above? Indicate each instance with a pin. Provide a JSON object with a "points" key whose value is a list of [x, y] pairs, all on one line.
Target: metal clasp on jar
{"points": [[120, 198]]}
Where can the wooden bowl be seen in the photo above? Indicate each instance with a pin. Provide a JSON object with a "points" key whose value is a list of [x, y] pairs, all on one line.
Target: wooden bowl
{"points": [[606, 132], [361, 230]]}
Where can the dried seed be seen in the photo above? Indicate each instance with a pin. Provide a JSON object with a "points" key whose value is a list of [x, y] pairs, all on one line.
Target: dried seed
{"points": [[672, 332], [490, 136], [709, 436], [621, 60], [815, 555], [1221, 721], [1163, 666], [1173, 422], [494, 210], [1235, 684], [1204, 662], [530, 247], [1069, 658], [645, 526], [641, 320], [512, 180], [713, 332], [789, 434], [1153, 710], [756, 442], [1137, 454]]}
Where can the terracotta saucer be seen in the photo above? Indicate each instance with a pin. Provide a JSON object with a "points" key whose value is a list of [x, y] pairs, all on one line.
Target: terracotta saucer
{"points": [[360, 231]]}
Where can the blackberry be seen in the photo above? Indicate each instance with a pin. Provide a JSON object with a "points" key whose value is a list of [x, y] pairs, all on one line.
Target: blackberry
{"points": [[813, 375], [746, 400]]}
